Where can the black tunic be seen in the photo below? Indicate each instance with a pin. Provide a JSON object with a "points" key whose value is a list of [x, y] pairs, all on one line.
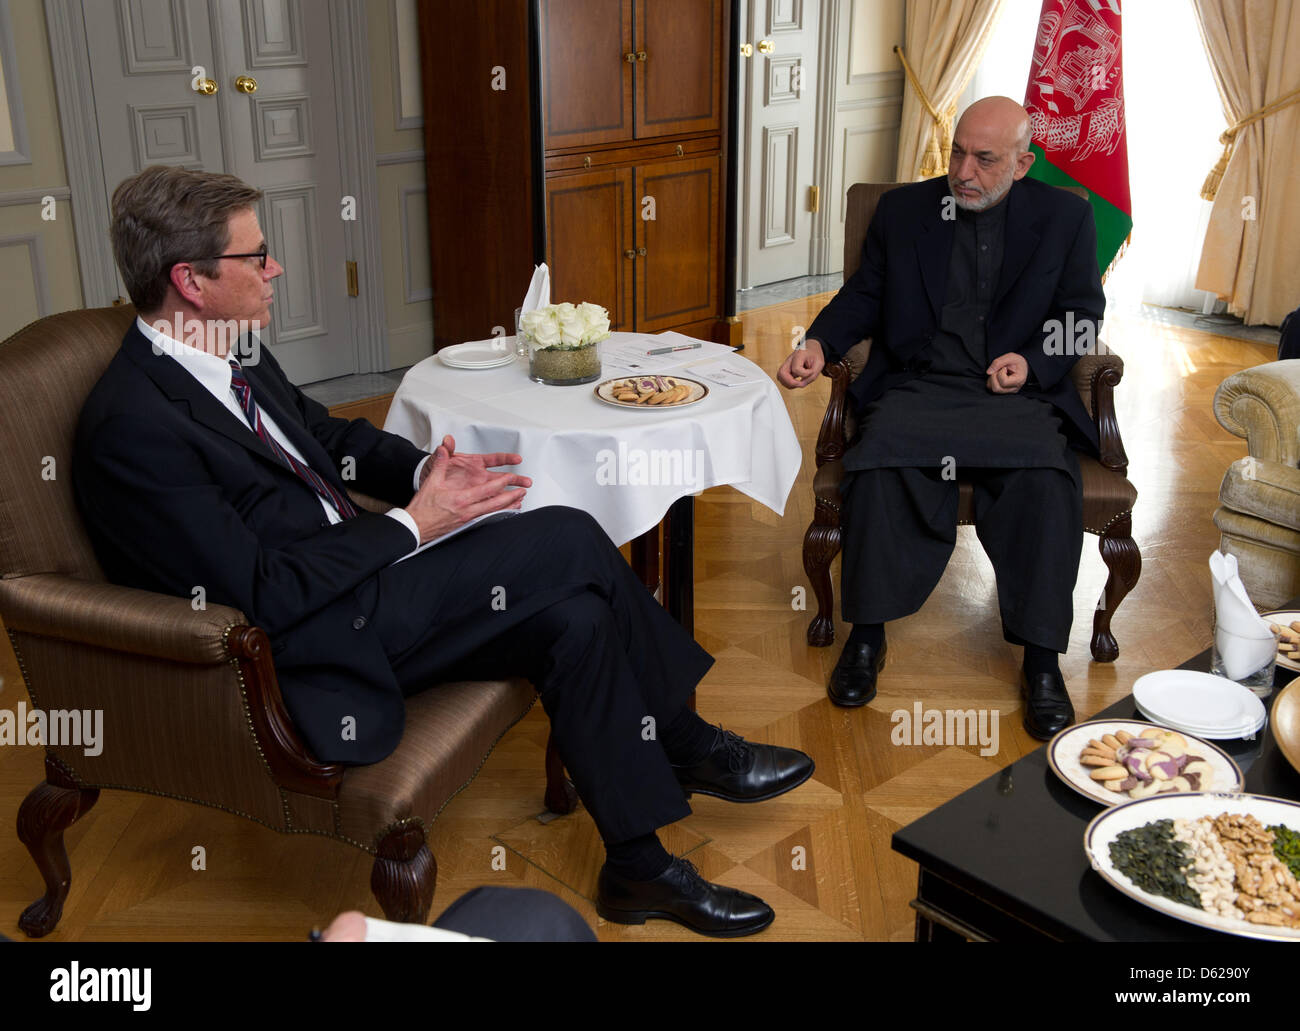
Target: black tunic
{"points": [[948, 417]]}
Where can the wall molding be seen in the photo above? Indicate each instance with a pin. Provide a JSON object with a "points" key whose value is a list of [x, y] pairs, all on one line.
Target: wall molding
{"points": [[357, 166], [401, 120], [410, 292], [20, 198], [40, 273], [70, 60], [22, 151], [824, 134], [401, 157]]}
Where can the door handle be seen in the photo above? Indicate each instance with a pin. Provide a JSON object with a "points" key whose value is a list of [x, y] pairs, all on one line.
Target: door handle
{"points": [[207, 87], [746, 49], [766, 46], [246, 84]]}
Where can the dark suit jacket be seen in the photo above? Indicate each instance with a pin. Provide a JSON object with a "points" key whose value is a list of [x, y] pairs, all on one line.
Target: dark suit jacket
{"points": [[177, 493], [896, 297]]}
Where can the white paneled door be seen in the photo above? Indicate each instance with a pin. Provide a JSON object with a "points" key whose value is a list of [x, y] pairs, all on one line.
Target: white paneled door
{"points": [[778, 82], [240, 86]]}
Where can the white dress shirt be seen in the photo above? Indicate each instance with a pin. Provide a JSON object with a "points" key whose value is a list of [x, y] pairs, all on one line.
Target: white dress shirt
{"points": [[213, 374]]}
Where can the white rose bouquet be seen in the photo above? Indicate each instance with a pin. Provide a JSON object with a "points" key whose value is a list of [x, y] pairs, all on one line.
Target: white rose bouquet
{"points": [[565, 326]]}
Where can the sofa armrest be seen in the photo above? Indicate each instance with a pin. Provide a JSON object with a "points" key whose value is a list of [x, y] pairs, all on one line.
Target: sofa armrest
{"points": [[125, 619], [110, 618], [831, 436], [1263, 405], [1096, 376], [1266, 490]]}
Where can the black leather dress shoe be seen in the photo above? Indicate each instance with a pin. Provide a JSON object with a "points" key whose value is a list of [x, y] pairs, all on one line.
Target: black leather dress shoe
{"points": [[853, 681], [682, 895], [742, 772], [1047, 704]]}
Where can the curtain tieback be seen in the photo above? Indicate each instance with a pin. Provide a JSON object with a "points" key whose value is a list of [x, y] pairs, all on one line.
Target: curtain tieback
{"points": [[935, 161], [1229, 138]]}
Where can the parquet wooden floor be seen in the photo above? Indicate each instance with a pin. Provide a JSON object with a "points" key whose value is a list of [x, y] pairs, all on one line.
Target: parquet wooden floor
{"points": [[820, 855]]}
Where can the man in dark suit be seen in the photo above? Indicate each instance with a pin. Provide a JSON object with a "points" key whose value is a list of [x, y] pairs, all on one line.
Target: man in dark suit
{"points": [[979, 292], [194, 470]]}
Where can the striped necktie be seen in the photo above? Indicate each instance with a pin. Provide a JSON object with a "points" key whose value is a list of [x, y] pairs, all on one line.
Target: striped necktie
{"points": [[244, 392]]}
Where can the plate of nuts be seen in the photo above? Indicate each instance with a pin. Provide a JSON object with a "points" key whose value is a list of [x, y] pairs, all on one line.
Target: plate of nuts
{"points": [[1286, 625], [651, 392], [1226, 862], [1113, 761]]}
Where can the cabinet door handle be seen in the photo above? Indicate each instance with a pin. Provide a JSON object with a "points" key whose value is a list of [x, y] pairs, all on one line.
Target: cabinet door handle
{"points": [[640, 55], [629, 57], [640, 252], [629, 254]]}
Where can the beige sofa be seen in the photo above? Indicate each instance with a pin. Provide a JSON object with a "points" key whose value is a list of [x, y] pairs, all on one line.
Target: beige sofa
{"points": [[1259, 513]]}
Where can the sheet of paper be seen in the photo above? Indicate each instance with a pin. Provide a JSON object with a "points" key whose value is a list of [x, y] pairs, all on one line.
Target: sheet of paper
{"points": [[630, 354], [490, 517], [727, 372]]}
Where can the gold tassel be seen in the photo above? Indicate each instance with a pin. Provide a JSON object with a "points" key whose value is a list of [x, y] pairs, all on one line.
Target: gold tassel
{"points": [[1229, 137], [1118, 254], [1211, 186], [939, 145]]}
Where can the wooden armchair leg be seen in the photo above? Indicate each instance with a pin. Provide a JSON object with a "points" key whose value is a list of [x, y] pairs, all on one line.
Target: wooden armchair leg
{"points": [[820, 546], [1120, 553], [404, 875], [49, 809], [561, 795]]}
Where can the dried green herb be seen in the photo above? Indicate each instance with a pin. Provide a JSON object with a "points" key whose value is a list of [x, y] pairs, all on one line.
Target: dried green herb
{"points": [[1286, 846], [1155, 861]]}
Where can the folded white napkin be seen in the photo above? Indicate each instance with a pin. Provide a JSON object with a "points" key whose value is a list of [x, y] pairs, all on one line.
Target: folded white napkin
{"points": [[1244, 641], [539, 290]]}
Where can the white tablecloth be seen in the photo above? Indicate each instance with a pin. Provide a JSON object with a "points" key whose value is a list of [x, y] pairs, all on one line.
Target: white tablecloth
{"points": [[611, 462]]}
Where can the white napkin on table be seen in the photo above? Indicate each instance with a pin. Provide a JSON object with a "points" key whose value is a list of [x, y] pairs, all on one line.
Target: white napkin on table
{"points": [[1248, 643], [539, 290]]}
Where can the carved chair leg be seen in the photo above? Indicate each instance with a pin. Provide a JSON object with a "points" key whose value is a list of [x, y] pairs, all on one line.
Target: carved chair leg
{"points": [[49, 809], [404, 875], [561, 795], [1124, 560], [820, 546]]}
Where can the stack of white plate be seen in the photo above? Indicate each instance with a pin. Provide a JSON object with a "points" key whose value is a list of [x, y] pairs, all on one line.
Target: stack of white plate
{"points": [[479, 354], [1200, 704]]}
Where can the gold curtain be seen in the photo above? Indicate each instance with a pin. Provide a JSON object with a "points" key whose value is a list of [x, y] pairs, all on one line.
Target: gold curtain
{"points": [[943, 41], [1252, 250]]}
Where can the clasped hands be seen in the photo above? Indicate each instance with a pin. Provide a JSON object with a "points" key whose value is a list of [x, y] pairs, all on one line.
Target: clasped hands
{"points": [[457, 488], [1006, 375]]}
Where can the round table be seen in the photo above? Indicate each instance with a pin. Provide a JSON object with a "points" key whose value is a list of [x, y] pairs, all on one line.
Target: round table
{"points": [[623, 466]]}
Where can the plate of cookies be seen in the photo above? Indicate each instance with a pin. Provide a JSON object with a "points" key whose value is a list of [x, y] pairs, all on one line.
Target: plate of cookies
{"points": [[651, 392], [1113, 761], [1285, 624]]}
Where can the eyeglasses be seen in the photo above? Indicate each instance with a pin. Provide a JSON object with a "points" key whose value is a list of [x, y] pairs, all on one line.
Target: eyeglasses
{"points": [[262, 253]]}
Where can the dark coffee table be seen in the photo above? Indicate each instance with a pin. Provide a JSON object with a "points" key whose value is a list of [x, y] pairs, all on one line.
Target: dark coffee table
{"points": [[1004, 861]]}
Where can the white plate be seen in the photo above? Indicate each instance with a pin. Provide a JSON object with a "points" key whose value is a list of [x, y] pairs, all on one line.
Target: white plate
{"points": [[1283, 617], [479, 354], [605, 391], [1246, 730], [1064, 749], [1107, 826], [1201, 702]]}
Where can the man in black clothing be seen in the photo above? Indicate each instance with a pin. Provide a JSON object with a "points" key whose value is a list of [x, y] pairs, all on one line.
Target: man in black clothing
{"points": [[976, 291], [192, 468]]}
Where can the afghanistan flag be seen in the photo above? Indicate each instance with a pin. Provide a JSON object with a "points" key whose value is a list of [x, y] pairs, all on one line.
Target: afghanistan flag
{"points": [[1075, 100]]}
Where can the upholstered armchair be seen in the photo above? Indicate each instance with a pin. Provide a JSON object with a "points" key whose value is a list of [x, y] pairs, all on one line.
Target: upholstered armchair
{"points": [[1108, 496], [191, 707], [1259, 513]]}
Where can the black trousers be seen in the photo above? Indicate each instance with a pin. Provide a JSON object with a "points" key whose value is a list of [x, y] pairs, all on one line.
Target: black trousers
{"points": [[900, 526], [545, 595]]}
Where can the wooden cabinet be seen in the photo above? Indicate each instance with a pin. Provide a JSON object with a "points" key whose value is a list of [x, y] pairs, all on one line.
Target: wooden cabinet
{"points": [[628, 149]]}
